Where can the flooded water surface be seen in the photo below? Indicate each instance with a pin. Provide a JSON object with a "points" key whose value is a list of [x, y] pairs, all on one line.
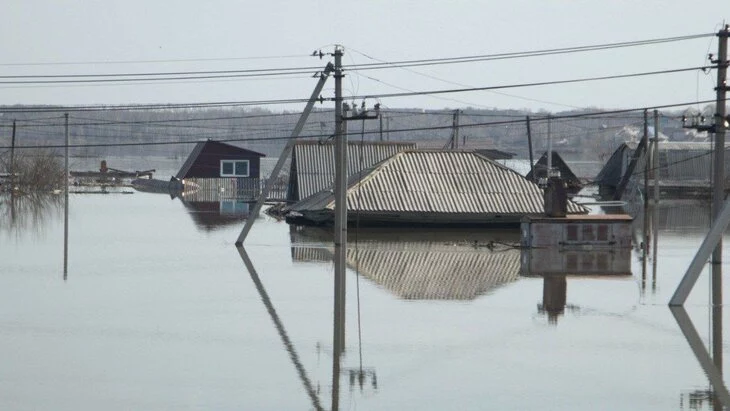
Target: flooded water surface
{"points": [[159, 310]]}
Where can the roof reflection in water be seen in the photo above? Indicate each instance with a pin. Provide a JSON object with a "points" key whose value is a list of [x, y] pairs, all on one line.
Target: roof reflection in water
{"points": [[421, 264]]}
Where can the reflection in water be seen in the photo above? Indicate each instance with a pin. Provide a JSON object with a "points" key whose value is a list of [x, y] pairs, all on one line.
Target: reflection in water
{"points": [[720, 395], [281, 330], [20, 213], [421, 264], [555, 264], [214, 210], [554, 297]]}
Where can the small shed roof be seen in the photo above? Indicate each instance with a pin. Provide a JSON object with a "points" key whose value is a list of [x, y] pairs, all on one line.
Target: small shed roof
{"points": [[540, 170], [313, 164], [438, 182], [203, 146]]}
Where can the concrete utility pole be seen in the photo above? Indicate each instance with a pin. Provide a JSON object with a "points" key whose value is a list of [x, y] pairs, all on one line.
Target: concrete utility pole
{"points": [[340, 188], [720, 207], [253, 214], [718, 197]]}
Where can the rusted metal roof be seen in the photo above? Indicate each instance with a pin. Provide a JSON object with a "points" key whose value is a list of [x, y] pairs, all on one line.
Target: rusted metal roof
{"points": [[313, 164], [450, 185]]}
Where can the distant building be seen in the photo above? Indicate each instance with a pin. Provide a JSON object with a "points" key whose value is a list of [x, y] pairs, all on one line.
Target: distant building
{"points": [[213, 165]]}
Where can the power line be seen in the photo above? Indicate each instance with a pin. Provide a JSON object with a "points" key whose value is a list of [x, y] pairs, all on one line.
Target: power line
{"points": [[176, 75], [522, 54], [313, 136], [110, 62], [540, 83], [386, 95]]}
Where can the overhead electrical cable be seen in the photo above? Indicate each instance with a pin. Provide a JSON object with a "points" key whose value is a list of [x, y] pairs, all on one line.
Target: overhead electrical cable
{"points": [[313, 136], [207, 74]]}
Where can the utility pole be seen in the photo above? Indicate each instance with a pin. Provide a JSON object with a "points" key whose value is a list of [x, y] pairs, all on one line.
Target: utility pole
{"points": [[381, 128], [65, 208], [720, 207], [253, 214], [340, 189], [12, 155], [549, 147], [647, 236], [455, 130], [529, 147], [655, 159], [718, 197]]}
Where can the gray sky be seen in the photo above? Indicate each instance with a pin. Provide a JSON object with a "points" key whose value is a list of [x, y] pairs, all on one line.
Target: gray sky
{"points": [[53, 32]]}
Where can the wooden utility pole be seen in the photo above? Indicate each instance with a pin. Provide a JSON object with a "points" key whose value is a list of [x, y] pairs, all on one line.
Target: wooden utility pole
{"points": [[529, 147], [655, 159], [12, 155], [65, 208], [455, 131], [381, 128], [647, 235]]}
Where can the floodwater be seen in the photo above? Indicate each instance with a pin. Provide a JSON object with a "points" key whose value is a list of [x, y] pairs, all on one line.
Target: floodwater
{"points": [[159, 310]]}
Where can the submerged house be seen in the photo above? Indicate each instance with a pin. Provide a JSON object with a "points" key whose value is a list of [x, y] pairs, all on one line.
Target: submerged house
{"points": [[213, 165], [682, 169], [439, 187], [312, 166], [539, 171]]}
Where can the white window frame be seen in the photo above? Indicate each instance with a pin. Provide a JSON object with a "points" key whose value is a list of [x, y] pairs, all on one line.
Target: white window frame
{"points": [[233, 162]]}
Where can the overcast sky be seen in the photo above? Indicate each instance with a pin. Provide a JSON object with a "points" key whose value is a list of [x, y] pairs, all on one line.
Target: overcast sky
{"points": [[130, 36]]}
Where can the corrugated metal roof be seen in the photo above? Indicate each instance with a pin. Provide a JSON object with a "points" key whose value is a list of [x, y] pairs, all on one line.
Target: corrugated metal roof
{"points": [[313, 164], [439, 182]]}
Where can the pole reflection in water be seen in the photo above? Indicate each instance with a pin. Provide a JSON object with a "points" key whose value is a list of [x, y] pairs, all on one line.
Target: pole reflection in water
{"points": [[282, 332], [721, 396]]}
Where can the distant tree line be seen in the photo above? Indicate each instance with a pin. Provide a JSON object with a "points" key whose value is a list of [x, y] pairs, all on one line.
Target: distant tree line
{"points": [[173, 132]]}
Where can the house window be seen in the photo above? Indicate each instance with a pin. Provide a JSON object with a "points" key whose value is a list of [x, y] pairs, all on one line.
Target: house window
{"points": [[234, 168]]}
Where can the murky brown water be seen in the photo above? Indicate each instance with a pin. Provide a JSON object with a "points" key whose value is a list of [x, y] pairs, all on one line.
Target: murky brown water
{"points": [[159, 311]]}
